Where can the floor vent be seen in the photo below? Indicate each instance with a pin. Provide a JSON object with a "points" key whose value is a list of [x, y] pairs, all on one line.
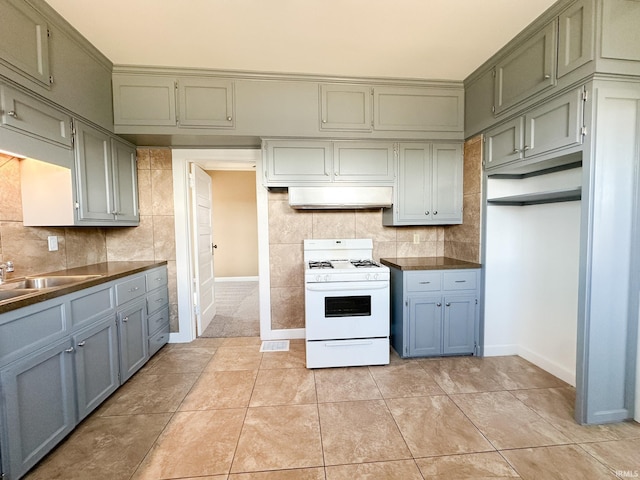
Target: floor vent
{"points": [[275, 346]]}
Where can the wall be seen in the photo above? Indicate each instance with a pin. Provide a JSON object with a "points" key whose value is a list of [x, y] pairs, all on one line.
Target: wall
{"points": [[235, 223], [152, 240], [463, 241]]}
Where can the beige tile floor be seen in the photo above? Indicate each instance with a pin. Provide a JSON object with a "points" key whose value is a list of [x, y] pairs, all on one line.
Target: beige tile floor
{"points": [[218, 409]]}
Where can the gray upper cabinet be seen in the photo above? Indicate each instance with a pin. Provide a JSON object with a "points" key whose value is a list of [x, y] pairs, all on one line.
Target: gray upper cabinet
{"points": [[295, 162], [345, 107], [147, 100], [429, 186], [529, 69], [575, 36], [205, 102], [24, 40], [552, 128], [144, 100], [418, 109], [312, 162], [26, 114], [478, 103], [106, 179], [368, 162]]}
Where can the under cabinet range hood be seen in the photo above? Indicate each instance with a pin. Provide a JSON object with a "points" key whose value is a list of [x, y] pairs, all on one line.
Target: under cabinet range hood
{"points": [[340, 197]]}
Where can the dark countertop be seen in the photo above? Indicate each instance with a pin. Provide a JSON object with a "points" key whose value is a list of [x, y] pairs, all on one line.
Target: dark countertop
{"points": [[427, 263], [108, 271]]}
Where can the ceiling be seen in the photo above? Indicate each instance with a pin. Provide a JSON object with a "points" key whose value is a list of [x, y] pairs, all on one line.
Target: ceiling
{"points": [[421, 39]]}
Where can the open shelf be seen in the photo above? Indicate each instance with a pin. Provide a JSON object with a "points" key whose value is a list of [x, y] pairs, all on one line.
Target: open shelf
{"points": [[537, 198]]}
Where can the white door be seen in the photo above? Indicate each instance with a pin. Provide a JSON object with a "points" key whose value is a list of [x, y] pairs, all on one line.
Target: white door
{"points": [[202, 238]]}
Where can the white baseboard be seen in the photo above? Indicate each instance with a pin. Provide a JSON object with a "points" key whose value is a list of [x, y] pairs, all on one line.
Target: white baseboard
{"points": [[237, 279], [548, 365], [286, 334], [500, 350]]}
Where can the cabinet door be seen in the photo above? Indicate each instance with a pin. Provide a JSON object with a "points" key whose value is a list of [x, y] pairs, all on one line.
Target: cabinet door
{"points": [[478, 104], [575, 38], [38, 406], [504, 143], [425, 326], [345, 107], [529, 69], [24, 42], [447, 183], [414, 183], [144, 100], [125, 185], [94, 174], [205, 102], [418, 109], [459, 325], [132, 332], [555, 124], [25, 114], [370, 162], [96, 365], [298, 162]]}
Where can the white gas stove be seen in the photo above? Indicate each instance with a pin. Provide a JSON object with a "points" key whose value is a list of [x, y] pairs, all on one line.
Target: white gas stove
{"points": [[346, 304]]}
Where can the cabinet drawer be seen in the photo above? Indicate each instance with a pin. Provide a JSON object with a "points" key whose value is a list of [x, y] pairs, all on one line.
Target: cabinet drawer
{"points": [[460, 280], [24, 332], [130, 289], [156, 278], [157, 300], [157, 320], [159, 339], [423, 281], [91, 306]]}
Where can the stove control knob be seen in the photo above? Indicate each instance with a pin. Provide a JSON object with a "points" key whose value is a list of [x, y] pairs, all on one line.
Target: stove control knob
{"points": [[318, 278], [326, 278], [375, 276], [368, 276]]}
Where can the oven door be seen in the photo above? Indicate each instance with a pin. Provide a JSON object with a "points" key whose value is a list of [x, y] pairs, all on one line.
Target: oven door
{"points": [[339, 310]]}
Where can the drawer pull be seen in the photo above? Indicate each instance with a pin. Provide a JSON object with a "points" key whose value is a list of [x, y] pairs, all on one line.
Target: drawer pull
{"points": [[134, 289], [438, 304], [461, 281], [448, 304], [159, 300], [424, 283], [69, 350], [125, 319], [82, 344]]}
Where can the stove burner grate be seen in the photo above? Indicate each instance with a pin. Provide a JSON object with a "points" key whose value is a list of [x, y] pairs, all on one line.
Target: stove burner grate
{"points": [[364, 263], [320, 265]]}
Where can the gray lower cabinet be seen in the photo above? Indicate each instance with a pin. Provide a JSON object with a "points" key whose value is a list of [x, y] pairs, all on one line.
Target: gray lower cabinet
{"points": [[428, 187], [38, 406], [550, 128], [132, 331], [434, 312], [96, 364], [61, 358]]}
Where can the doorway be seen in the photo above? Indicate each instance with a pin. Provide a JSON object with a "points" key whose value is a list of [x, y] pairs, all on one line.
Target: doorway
{"points": [[214, 160]]}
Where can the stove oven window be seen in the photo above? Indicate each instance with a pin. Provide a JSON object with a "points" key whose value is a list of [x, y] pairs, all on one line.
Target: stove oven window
{"points": [[347, 306]]}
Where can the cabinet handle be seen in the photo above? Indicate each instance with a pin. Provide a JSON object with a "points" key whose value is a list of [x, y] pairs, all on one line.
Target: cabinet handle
{"points": [[460, 281], [324, 121], [12, 113], [424, 283], [438, 304], [125, 319], [427, 212], [547, 76], [435, 213], [516, 150], [448, 304], [82, 343], [134, 289], [229, 118], [159, 300], [526, 147], [70, 350]]}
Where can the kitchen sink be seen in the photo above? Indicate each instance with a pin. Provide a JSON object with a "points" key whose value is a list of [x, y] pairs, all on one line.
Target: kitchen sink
{"points": [[11, 294], [43, 281]]}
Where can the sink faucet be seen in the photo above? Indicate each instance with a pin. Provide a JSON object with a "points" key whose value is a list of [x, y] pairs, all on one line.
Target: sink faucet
{"points": [[4, 269]]}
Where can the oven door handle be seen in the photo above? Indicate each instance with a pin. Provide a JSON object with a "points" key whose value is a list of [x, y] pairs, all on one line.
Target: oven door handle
{"points": [[346, 286]]}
